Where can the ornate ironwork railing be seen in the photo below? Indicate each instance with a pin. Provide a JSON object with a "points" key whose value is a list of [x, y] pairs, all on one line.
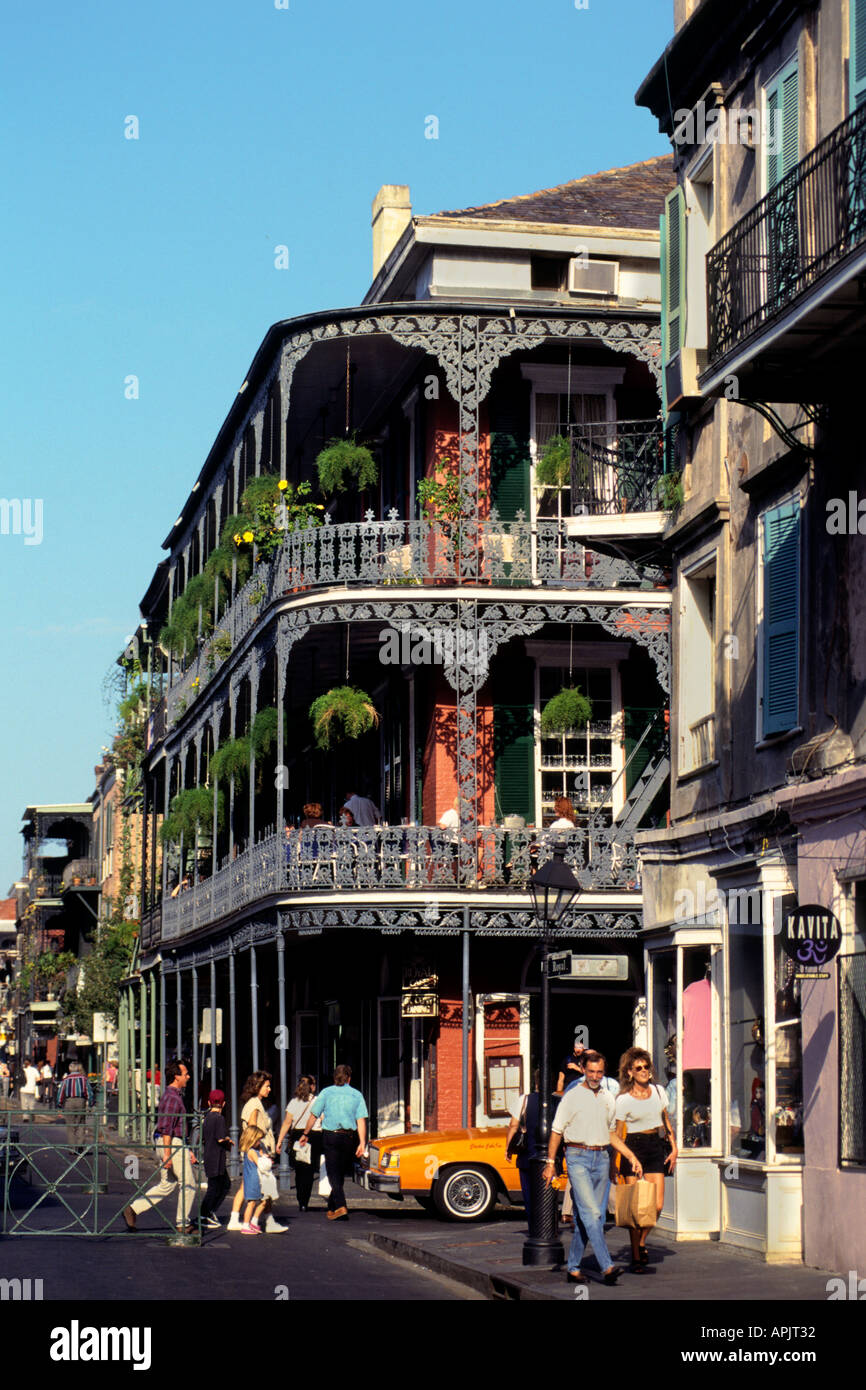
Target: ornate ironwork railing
{"points": [[81, 872], [616, 466], [806, 225], [393, 859], [392, 554]]}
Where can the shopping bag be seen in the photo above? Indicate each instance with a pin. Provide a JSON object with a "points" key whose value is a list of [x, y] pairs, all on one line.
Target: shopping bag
{"points": [[302, 1152], [635, 1204], [324, 1185]]}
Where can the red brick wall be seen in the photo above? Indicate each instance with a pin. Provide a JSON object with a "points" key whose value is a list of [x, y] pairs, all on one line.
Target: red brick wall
{"points": [[449, 1059]]}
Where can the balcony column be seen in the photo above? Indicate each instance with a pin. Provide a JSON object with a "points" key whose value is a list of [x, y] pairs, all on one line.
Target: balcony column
{"points": [[151, 989], [215, 726], [145, 809], [162, 1017], [283, 1048], [178, 1013], [255, 676], [154, 842], [169, 764], [258, 421], [282, 670], [233, 696], [171, 575], [280, 407], [213, 1066], [122, 1063], [234, 1165], [195, 1066], [217, 500], [254, 1007], [198, 738], [142, 1056]]}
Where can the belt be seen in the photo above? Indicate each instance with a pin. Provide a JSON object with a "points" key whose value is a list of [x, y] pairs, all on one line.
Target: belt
{"points": [[586, 1146], [339, 1130], [646, 1131]]}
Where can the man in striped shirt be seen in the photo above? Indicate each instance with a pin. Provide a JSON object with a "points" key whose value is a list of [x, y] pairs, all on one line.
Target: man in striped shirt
{"points": [[74, 1098]]}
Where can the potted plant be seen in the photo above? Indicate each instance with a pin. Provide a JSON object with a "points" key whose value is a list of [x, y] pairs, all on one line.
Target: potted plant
{"points": [[342, 712], [553, 468], [567, 712], [345, 461]]}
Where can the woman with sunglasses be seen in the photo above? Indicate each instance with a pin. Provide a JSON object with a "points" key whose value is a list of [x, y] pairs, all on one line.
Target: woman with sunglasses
{"points": [[644, 1123]]}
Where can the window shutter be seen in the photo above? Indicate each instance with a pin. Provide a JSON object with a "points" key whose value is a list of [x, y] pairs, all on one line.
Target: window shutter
{"points": [[663, 274], [509, 443], [514, 738], [783, 114], [781, 564], [674, 273], [857, 62]]}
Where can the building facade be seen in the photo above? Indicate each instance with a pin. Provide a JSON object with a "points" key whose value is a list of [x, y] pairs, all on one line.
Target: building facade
{"points": [[504, 374], [764, 249]]}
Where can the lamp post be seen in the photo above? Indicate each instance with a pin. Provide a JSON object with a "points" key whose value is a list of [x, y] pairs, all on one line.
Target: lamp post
{"points": [[552, 888]]}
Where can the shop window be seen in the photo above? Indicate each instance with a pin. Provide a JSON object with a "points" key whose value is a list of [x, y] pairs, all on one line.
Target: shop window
{"points": [[696, 1053], [663, 1041], [787, 1114], [746, 1041], [852, 1059]]}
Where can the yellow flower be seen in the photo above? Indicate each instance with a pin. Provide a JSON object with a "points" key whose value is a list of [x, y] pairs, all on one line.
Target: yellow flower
{"points": [[237, 537], [282, 485], [248, 536]]}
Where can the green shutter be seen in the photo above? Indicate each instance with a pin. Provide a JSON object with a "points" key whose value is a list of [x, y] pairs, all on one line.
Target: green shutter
{"points": [[509, 442], [783, 115], [674, 274], [857, 62], [781, 572], [663, 276], [514, 737]]}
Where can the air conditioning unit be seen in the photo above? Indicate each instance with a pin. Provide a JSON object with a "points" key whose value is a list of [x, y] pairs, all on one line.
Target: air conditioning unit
{"points": [[592, 277]]}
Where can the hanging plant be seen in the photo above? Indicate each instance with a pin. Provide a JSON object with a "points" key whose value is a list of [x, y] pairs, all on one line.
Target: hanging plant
{"points": [[671, 491], [263, 734], [566, 712], [343, 461], [341, 713], [553, 468], [232, 759], [190, 809]]}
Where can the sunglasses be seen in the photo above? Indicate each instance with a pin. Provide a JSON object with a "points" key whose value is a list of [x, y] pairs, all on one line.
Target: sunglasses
{"points": [[641, 1066]]}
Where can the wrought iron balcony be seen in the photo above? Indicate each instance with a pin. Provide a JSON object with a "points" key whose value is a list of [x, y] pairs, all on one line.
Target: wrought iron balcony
{"points": [[789, 241], [616, 467], [390, 860], [81, 873], [393, 554]]}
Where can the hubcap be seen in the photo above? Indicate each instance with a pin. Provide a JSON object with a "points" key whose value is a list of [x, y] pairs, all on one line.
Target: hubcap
{"points": [[467, 1193]]}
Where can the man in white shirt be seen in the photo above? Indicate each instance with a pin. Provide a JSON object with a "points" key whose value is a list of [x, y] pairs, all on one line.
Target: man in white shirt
{"points": [[28, 1090], [584, 1119], [363, 810], [450, 819]]}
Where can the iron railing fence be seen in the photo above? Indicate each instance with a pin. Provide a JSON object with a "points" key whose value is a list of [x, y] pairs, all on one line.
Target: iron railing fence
{"points": [[808, 223], [616, 466], [852, 1059], [73, 1175], [386, 859]]}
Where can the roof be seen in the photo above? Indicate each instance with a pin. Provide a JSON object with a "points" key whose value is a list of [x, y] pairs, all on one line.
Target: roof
{"points": [[630, 197], [7, 910]]}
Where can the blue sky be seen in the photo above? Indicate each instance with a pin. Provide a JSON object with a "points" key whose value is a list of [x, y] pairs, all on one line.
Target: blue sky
{"points": [[258, 127]]}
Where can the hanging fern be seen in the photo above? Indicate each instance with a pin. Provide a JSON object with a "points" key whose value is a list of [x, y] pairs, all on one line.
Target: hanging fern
{"points": [[189, 809], [553, 468], [341, 713], [264, 731], [566, 712], [343, 461], [232, 759]]}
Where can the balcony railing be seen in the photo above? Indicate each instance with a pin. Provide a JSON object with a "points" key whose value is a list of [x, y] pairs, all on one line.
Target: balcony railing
{"points": [[81, 873], [703, 740], [392, 554], [806, 225], [393, 859], [616, 467]]}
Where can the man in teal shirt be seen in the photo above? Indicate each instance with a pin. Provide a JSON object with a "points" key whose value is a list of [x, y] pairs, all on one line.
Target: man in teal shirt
{"points": [[344, 1135]]}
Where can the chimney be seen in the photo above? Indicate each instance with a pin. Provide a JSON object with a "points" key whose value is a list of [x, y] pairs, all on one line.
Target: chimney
{"points": [[392, 213]]}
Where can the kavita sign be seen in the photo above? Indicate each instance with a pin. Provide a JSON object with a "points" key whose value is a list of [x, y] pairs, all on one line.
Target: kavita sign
{"points": [[812, 936]]}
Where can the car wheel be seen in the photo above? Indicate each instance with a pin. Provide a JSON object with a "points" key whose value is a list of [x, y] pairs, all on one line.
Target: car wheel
{"points": [[466, 1193]]}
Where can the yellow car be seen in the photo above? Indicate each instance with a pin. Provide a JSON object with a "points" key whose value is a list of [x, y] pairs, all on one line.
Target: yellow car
{"points": [[459, 1173]]}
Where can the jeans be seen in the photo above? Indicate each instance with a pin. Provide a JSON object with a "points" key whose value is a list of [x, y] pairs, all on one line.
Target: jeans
{"points": [[588, 1173]]}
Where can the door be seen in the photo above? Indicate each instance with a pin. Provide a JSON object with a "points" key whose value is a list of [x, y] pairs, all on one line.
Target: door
{"points": [[389, 1107]]}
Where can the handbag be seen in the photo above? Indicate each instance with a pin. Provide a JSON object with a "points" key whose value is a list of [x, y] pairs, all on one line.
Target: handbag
{"points": [[518, 1143], [324, 1185]]}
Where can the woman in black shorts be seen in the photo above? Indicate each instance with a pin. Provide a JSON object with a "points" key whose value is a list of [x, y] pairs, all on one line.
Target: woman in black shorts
{"points": [[641, 1115]]}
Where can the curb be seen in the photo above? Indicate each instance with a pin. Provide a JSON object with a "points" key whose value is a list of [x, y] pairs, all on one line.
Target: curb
{"points": [[497, 1287]]}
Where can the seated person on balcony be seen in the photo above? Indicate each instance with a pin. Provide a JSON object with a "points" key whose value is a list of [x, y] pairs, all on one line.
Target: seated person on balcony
{"points": [[312, 816], [565, 814], [450, 819], [362, 809]]}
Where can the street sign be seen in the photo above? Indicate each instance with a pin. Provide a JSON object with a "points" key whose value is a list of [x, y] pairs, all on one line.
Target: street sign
{"points": [[559, 963]]}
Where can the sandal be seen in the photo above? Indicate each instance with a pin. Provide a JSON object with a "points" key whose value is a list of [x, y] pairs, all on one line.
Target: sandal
{"points": [[643, 1255]]}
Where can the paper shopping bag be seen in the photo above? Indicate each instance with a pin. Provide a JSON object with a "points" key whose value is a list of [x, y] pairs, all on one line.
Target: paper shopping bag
{"points": [[635, 1204], [324, 1185]]}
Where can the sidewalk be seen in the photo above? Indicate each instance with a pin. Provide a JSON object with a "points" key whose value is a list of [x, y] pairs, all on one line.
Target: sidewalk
{"points": [[488, 1258]]}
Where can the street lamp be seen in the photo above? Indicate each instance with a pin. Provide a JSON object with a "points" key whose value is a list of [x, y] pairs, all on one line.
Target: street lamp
{"points": [[552, 889]]}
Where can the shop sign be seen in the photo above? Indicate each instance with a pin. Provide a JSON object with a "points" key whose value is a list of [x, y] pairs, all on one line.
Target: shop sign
{"points": [[419, 1003], [811, 936], [420, 975]]}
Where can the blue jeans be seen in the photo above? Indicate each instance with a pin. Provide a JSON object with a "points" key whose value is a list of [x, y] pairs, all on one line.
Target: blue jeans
{"points": [[588, 1173]]}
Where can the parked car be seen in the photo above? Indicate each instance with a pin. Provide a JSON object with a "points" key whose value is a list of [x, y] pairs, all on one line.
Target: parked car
{"points": [[459, 1173]]}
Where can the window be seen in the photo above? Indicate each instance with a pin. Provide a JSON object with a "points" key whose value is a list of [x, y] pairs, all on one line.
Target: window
{"points": [[561, 399], [549, 272], [779, 617], [673, 273], [857, 60], [580, 765], [746, 1134], [554, 417], [695, 1059], [787, 1117], [697, 667], [504, 1084]]}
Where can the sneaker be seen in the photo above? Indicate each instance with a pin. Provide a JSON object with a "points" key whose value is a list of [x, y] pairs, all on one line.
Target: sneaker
{"points": [[251, 1230], [273, 1227], [235, 1223], [212, 1223]]}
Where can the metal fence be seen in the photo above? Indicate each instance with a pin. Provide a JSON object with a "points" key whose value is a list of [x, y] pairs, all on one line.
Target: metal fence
{"points": [[75, 1174], [852, 1059]]}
